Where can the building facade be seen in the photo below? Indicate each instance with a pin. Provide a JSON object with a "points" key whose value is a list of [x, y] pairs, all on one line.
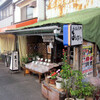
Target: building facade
{"points": [[6, 14]]}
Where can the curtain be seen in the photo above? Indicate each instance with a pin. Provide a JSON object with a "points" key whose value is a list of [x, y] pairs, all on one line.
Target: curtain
{"points": [[22, 43], [7, 43]]}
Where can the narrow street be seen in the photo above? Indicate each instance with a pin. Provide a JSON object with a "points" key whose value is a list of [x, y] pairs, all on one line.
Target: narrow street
{"points": [[16, 86]]}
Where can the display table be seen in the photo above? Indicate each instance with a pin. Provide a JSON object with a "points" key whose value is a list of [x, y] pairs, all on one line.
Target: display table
{"points": [[39, 68], [50, 92]]}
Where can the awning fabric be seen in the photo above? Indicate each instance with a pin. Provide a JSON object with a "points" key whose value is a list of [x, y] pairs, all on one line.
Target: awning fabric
{"points": [[89, 18]]}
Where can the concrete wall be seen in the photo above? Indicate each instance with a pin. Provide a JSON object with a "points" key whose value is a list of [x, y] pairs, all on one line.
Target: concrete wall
{"points": [[6, 22], [41, 9], [56, 8], [17, 15]]}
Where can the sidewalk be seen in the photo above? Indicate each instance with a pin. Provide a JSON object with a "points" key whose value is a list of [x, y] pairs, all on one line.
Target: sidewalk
{"points": [[16, 86]]}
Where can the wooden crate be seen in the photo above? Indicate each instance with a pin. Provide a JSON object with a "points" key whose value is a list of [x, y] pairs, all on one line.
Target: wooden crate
{"points": [[51, 93]]}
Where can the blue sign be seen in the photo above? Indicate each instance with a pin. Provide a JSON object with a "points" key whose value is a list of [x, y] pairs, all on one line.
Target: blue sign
{"points": [[72, 34], [65, 35]]}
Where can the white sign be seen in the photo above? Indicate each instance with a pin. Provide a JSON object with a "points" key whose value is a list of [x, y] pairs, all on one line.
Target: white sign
{"points": [[48, 38], [76, 35]]}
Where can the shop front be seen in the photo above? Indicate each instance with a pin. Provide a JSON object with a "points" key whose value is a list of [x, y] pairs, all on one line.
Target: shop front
{"points": [[41, 39]]}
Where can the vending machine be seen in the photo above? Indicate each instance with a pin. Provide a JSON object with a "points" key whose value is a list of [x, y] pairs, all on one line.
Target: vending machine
{"points": [[14, 61]]}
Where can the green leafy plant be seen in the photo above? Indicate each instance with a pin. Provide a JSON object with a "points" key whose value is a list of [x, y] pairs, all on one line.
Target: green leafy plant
{"points": [[72, 81], [66, 71], [78, 90], [25, 60], [66, 74], [89, 90], [82, 89]]}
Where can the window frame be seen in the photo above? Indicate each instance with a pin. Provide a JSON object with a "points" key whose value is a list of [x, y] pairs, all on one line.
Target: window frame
{"points": [[5, 13], [31, 14]]}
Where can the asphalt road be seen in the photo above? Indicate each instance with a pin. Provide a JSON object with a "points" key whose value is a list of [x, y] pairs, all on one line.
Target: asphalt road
{"points": [[16, 86]]}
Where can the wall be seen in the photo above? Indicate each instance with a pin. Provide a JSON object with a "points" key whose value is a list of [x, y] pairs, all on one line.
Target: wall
{"points": [[18, 12], [17, 15], [6, 22], [41, 9], [56, 8]]}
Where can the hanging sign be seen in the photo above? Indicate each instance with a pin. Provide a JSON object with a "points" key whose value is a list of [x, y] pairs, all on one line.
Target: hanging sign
{"points": [[47, 38], [72, 35]]}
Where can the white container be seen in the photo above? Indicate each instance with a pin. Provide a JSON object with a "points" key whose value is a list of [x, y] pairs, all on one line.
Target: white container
{"points": [[69, 98], [80, 99], [58, 84]]}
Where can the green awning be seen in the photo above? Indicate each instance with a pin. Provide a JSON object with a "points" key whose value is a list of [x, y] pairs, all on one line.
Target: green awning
{"points": [[89, 18]]}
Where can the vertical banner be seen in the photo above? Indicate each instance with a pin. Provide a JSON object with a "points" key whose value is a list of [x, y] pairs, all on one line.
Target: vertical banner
{"points": [[87, 59]]}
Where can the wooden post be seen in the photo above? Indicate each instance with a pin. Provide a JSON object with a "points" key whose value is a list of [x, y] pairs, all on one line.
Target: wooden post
{"points": [[68, 56], [46, 52], [54, 51], [80, 58], [94, 59], [39, 78], [15, 48], [76, 58]]}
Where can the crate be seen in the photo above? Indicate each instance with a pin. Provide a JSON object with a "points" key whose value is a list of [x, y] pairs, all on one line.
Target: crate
{"points": [[51, 93]]}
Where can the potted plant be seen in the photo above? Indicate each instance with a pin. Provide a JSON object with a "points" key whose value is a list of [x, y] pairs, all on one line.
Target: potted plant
{"points": [[89, 91], [24, 60], [58, 84], [53, 77], [59, 80], [66, 75], [78, 91]]}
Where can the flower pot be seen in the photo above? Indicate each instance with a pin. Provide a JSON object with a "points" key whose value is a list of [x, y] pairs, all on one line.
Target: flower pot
{"points": [[52, 81], [27, 71], [89, 98], [58, 84], [80, 99], [69, 98], [47, 78]]}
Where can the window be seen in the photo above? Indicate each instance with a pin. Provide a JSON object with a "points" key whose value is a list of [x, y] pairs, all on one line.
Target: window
{"points": [[29, 12], [0, 15], [26, 13], [10, 10], [6, 12]]}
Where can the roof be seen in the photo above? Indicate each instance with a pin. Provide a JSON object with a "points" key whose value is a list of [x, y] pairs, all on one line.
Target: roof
{"points": [[89, 18]]}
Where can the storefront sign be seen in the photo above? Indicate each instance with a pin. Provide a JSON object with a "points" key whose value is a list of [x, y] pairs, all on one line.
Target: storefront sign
{"points": [[72, 35], [48, 38]]}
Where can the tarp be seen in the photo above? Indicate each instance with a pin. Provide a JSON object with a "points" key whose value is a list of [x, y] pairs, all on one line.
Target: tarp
{"points": [[7, 43], [89, 18]]}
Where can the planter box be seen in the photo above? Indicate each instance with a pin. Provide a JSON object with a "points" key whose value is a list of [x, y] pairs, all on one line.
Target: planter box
{"points": [[51, 93]]}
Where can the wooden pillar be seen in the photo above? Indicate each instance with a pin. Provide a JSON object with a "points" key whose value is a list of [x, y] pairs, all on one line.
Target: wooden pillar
{"points": [[94, 59], [80, 58], [76, 58], [68, 56], [15, 48], [46, 52], [53, 51]]}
